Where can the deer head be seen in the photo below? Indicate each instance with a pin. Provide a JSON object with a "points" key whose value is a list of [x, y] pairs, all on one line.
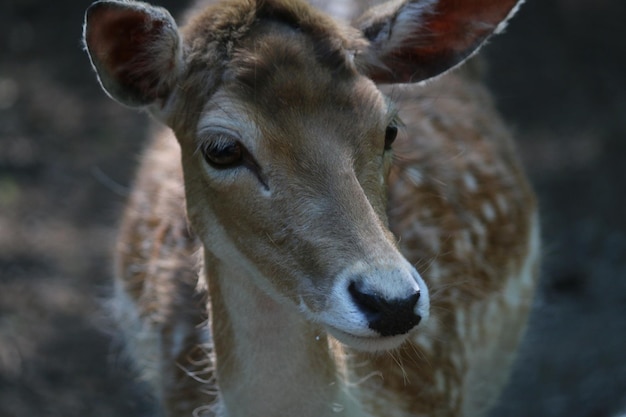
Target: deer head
{"points": [[286, 138]]}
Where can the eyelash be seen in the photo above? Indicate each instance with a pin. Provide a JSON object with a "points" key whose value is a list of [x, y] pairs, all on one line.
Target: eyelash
{"points": [[224, 152]]}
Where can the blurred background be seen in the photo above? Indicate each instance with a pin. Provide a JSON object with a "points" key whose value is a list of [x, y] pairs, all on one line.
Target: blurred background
{"points": [[67, 154]]}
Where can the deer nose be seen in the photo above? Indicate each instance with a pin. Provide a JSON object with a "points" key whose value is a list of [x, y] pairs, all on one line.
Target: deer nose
{"points": [[388, 317]]}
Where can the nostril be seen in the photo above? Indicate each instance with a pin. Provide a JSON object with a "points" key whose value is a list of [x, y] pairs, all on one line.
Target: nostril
{"points": [[369, 303], [389, 317], [413, 299]]}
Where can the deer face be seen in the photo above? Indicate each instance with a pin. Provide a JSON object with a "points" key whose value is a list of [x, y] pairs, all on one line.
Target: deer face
{"points": [[285, 171], [286, 140]]}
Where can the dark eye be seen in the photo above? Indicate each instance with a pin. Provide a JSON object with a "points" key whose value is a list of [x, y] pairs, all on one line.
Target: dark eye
{"points": [[390, 135], [223, 152]]}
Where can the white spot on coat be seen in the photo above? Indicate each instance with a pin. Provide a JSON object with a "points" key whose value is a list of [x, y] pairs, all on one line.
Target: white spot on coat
{"points": [[470, 182], [488, 211]]}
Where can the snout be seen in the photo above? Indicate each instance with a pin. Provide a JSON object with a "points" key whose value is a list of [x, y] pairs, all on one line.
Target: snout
{"points": [[375, 308], [386, 316]]}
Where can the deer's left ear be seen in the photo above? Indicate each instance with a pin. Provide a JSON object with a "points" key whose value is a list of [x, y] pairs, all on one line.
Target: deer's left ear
{"points": [[414, 40]]}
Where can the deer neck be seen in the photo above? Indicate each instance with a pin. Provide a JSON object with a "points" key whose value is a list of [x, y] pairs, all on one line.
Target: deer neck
{"points": [[270, 361]]}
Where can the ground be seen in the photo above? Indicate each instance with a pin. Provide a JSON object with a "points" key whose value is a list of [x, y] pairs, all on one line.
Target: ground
{"points": [[67, 154]]}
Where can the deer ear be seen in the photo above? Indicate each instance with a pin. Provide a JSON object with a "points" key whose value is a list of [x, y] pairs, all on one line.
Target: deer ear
{"points": [[414, 40], [135, 49]]}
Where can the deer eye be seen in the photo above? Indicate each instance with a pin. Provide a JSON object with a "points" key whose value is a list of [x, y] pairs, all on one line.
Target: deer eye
{"points": [[223, 152], [390, 135]]}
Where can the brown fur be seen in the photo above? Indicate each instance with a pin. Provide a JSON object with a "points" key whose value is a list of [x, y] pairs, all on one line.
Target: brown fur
{"points": [[456, 201], [435, 218]]}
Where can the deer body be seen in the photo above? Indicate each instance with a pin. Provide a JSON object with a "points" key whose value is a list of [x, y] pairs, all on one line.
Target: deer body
{"points": [[336, 279]]}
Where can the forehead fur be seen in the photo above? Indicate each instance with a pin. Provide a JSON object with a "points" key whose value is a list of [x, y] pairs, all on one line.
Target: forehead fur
{"points": [[271, 68], [260, 45], [230, 20], [214, 34]]}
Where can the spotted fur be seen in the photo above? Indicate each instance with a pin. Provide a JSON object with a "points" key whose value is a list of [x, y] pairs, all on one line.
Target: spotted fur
{"points": [[211, 301]]}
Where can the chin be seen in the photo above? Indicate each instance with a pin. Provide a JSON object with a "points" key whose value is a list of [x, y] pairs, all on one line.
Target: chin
{"points": [[374, 343]]}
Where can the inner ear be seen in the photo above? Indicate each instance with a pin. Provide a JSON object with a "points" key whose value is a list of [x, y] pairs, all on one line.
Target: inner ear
{"points": [[411, 41], [135, 49]]}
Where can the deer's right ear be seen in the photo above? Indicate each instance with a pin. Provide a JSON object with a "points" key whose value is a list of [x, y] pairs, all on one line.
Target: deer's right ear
{"points": [[135, 49]]}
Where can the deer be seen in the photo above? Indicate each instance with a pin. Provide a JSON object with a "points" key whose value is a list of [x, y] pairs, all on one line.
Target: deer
{"points": [[333, 219]]}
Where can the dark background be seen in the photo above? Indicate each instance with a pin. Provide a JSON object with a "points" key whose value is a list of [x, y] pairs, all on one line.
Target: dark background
{"points": [[67, 154]]}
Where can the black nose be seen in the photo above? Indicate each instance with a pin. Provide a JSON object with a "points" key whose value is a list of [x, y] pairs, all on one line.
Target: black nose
{"points": [[388, 317]]}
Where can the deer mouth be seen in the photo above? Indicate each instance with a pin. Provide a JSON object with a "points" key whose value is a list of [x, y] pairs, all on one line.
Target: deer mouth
{"points": [[367, 343]]}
